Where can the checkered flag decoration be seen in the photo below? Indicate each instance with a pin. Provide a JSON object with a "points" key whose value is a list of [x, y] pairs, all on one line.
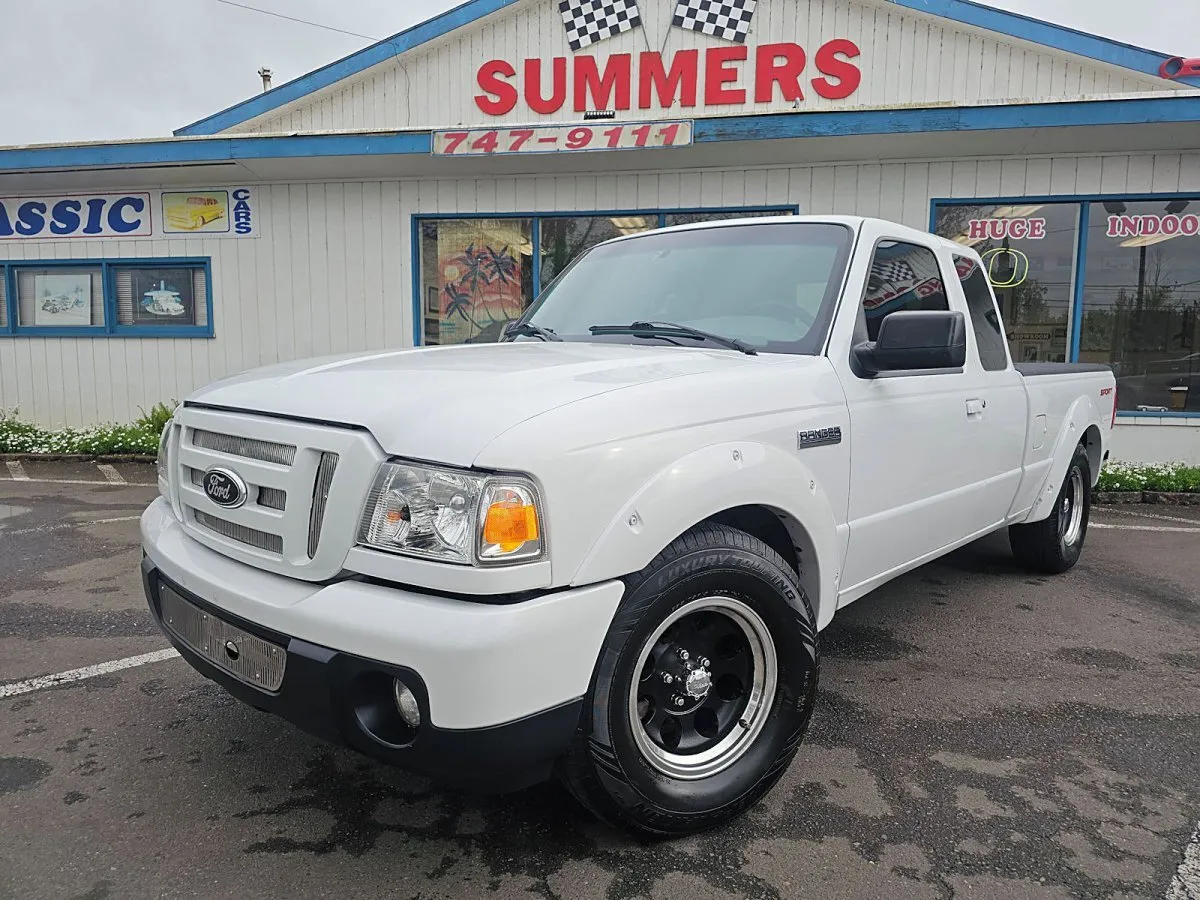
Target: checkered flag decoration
{"points": [[589, 21], [727, 19]]}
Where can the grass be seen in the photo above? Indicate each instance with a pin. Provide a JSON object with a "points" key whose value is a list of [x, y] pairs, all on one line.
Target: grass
{"points": [[138, 438]]}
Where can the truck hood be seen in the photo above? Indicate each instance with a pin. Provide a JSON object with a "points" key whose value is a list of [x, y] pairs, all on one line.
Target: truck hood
{"points": [[446, 404]]}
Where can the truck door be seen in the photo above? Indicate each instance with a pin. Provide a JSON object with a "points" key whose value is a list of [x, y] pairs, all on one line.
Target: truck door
{"points": [[997, 407], [912, 465]]}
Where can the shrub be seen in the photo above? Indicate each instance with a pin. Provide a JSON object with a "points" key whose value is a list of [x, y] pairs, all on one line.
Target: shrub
{"points": [[17, 436], [1167, 477]]}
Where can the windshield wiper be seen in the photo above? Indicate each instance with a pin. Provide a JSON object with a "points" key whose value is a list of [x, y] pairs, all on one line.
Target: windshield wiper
{"points": [[528, 329], [673, 330]]}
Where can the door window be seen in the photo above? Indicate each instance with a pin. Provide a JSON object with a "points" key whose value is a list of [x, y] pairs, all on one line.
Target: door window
{"points": [[902, 277], [989, 338]]}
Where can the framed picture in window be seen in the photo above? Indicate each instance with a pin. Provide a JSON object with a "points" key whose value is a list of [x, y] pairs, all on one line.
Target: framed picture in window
{"points": [[433, 306], [163, 296], [62, 299], [1029, 352]]}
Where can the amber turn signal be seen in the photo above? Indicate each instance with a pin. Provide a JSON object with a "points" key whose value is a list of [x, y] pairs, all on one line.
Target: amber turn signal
{"points": [[510, 524]]}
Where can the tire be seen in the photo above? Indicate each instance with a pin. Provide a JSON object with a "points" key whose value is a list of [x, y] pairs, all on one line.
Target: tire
{"points": [[730, 597], [1053, 545]]}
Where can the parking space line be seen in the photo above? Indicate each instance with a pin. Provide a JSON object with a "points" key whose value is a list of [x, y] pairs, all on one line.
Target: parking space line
{"points": [[59, 526], [1144, 528], [80, 481], [111, 475], [47, 681], [16, 470], [1186, 883], [1108, 510]]}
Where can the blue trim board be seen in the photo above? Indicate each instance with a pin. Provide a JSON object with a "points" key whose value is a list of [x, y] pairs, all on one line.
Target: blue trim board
{"points": [[1085, 210], [778, 126], [348, 66], [1058, 37], [110, 327], [1037, 31]]}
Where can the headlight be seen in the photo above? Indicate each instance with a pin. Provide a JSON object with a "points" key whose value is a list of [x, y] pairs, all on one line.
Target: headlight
{"points": [[162, 463], [453, 516]]}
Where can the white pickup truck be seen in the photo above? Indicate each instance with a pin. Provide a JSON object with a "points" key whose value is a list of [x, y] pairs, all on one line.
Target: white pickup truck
{"points": [[604, 547]]}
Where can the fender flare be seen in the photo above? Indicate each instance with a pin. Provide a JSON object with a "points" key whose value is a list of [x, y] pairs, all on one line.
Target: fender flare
{"points": [[1082, 415], [712, 480]]}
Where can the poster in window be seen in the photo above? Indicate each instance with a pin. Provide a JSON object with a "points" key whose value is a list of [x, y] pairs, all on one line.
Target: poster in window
{"points": [[62, 299], [479, 278], [163, 297]]}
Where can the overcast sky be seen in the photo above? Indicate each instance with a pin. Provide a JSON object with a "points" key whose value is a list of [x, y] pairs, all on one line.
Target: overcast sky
{"points": [[108, 69]]}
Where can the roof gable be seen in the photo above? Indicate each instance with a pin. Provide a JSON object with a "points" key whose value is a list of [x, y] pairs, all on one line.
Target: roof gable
{"points": [[270, 111]]}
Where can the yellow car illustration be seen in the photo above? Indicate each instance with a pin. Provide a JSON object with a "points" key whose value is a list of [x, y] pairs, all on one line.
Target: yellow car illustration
{"points": [[194, 213]]}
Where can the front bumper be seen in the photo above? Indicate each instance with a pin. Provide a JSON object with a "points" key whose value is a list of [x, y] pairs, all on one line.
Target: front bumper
{"points": [[500, 686]]}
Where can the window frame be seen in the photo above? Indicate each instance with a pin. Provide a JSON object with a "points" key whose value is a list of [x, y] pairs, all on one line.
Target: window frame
{"points": [[111, 326], [1085, 202], [860, 332], [417, 219]]}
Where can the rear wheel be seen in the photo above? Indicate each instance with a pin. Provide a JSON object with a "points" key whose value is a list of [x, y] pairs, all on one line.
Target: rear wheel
{"points": [[703, 691], [1053, 545]]}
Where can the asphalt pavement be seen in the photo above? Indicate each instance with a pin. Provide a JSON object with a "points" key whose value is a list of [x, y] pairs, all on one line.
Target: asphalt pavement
{"points": [[982, 733]]}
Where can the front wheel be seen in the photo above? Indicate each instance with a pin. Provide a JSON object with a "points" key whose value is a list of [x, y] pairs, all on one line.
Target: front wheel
{"points": [[1053, 545], [703, 690]]}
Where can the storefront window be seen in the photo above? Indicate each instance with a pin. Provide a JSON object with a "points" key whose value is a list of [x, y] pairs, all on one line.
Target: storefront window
{"points": [[563, 239], [692, 218], [1141, 301], [1029, 255], [476, 277]]}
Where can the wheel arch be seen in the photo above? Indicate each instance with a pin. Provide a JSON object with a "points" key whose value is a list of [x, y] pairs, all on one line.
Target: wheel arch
{"points": [[753, 486], [1078, 428]]}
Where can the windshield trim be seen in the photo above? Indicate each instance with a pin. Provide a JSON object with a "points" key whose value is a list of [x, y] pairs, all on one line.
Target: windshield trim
{"points": [[822, 327]]}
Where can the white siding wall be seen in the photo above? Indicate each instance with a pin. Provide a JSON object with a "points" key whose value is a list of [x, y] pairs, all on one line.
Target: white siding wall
{"points": [[906, 59], [332, 271]]}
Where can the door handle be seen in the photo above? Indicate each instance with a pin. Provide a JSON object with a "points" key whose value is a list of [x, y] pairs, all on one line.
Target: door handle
{"points": [[975, 408]]}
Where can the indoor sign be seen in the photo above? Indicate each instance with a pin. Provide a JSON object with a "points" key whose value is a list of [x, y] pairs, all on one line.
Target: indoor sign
{"points": [[137, 214]]}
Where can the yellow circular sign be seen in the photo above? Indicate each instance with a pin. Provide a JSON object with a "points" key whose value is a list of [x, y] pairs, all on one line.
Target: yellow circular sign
{"points": [[1014, 259]]}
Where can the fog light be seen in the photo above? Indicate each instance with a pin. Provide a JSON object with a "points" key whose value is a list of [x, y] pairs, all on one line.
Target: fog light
{"points": [[406, 704]]}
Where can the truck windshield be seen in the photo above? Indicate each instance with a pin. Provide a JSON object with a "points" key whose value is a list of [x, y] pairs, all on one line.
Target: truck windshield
{"points": [[770, 286]]}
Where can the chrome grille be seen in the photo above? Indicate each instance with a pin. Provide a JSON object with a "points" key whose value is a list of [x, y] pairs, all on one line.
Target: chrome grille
{"points": [[272, 498], [325, 472], [239, 653], [247, 448], [240, 533]]}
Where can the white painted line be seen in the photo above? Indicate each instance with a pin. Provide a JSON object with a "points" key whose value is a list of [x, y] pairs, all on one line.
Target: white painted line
{"points": [[1144, 528], [60, 526], [79, 481], [1145, 515], [46, 681], [1186, 883], [111, 475], [16, 470]]}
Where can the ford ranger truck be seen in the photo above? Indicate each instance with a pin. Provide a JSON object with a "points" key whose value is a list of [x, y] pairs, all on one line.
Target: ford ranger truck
{"points": [[603, 549]]}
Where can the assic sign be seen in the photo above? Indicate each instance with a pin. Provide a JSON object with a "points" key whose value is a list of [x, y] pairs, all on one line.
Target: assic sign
{"points": [[723, 76], [136, 214]]}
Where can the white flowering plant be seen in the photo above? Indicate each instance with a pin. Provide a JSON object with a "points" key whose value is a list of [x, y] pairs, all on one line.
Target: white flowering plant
{"points": [[140, 438], [1166, 477]]}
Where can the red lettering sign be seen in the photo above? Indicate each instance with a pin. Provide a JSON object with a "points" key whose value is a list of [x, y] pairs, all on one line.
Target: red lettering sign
{"points": [[999, 229], [1144, 226], [728, 74]]}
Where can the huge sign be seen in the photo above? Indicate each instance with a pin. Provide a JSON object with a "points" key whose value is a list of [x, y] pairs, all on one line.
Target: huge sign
{"points": [[225, 212], [722, 76]]}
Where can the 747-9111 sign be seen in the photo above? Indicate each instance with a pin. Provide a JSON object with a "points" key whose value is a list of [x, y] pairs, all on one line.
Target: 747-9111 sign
{"points": [[553, 138]]}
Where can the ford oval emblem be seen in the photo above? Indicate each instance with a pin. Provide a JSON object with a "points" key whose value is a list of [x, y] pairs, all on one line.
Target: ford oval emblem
{"points": [[224, 488]]}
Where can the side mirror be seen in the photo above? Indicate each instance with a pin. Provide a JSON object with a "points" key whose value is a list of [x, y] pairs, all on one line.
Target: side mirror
{"points": [[909, 341]]}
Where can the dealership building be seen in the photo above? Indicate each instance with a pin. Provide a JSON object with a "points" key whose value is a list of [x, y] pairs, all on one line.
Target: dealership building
{"points": [[422, 190]]}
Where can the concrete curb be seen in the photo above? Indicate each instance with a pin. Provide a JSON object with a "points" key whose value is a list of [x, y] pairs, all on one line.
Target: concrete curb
{"points": [[1165, 498], [76, 457]]}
